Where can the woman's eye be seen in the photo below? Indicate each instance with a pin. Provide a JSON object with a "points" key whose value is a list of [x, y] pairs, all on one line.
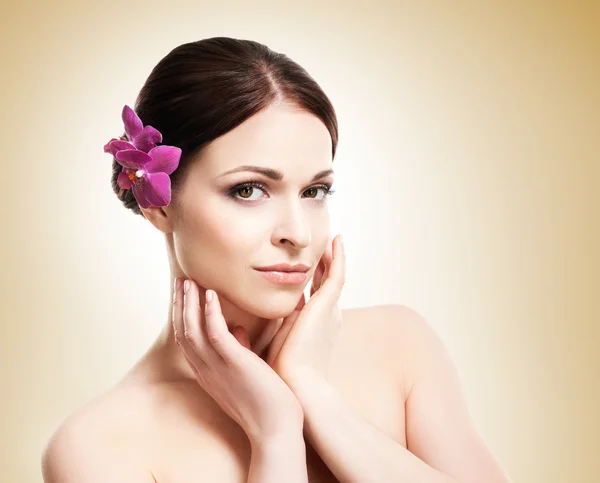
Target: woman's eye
{"points": [[315, 190], [245, 192]]}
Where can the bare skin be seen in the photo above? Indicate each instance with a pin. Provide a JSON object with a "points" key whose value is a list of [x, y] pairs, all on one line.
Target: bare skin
{"points": [[165, 427], [157, 424]]}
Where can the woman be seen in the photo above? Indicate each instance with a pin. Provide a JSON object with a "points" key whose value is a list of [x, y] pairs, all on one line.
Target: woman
{"points": [[229, 153]]}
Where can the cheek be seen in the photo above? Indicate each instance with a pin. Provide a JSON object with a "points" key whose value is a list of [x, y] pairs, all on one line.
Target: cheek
{"points": [[195, 240], [239, 235], [212, 248], [221, 241]]}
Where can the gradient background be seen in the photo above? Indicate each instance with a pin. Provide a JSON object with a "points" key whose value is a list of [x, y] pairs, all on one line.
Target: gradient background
{"points": [[468, 179]]}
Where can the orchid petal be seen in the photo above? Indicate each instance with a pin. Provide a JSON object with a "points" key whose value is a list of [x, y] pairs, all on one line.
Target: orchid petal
{"points": [[138, 192], [124, 181], [157, 188], [133, 124], [132, 158], [165, 159], [120, 145], [147, 139], [108, 148]]}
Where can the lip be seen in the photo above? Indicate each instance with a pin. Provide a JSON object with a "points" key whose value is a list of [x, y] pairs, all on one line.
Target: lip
{"points": [[286, 278], [285, 267]]}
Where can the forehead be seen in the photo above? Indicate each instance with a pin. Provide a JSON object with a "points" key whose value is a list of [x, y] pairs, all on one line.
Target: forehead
{"points": [[281, 136]]}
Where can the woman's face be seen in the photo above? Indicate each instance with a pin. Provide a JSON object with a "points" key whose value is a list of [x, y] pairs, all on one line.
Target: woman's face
{"points": [[222, 230]]}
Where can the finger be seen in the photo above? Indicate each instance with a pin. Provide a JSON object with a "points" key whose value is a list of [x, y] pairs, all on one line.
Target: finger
{"points": [[179, 327], [272, 327], [301, 303], [200, 375], [317, 278], [196, 372], [336, 276], [327, 260], [192, 325], [322, 271], [279, 339], [286, 326], [217, 332]]}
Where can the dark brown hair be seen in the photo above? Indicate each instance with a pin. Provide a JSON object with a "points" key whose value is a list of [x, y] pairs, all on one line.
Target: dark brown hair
{"points": [[201, 90]]}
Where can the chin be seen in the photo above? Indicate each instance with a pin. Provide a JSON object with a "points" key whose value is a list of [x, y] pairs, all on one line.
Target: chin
{"points": [[276, 305]]}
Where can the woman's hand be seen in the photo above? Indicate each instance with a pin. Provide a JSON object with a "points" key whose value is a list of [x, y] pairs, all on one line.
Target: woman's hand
{"points": [[302, 347], [243, 384]]}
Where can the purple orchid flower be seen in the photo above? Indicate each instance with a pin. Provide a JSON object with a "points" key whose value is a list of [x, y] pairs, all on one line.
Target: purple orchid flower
{"points": [[140, 137], [146, 166]]}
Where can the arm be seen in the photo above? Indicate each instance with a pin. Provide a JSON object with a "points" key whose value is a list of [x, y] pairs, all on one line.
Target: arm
{"points": [[443, 445], [279, 459], [354, 450], [439, 428]]}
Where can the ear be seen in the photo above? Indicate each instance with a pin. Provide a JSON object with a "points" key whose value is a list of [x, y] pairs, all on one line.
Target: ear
{"points": [[160, 216]]}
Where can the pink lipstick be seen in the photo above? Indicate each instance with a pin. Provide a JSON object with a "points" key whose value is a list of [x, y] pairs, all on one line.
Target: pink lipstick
{"points": [[283, 277], [284, 273]]}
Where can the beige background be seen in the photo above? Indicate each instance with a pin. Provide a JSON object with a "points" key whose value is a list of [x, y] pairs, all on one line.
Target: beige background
{"points": [[468, 180]]}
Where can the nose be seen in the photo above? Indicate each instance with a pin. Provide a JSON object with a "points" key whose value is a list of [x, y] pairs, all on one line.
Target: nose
{"points": [[292, 226]]}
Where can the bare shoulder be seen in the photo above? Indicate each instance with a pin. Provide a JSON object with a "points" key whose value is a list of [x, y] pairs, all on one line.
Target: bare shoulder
{"points": [[399, 333], [386, 313], [94, 442], [387, 320]]}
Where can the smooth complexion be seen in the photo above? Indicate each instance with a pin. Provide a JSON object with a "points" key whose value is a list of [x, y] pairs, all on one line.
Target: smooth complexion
{"points": [[257, 196], [393, 406]]}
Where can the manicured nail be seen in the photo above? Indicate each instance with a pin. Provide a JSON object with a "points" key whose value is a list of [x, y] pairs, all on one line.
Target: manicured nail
{"points": [[209, 296], [186, 286]]}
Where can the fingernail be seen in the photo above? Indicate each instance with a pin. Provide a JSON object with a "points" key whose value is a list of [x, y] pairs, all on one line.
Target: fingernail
{"points": [[186, 286], [341, 242], [208, 296], [175, 286]]}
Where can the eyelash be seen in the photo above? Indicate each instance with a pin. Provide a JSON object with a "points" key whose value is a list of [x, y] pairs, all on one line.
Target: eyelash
{"points": [[256, 184]]}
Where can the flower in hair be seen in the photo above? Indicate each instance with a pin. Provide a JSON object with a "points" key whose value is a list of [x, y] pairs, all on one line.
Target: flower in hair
{"points": [[146, 166], [141, 137]]}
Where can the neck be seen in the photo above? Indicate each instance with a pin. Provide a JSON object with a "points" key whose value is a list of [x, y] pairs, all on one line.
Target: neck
{"points": [[173, 366]]}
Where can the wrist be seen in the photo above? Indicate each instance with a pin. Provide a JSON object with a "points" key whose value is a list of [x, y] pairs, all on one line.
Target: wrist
{"points": [[281, 457], [309, 386], [285, 438]]}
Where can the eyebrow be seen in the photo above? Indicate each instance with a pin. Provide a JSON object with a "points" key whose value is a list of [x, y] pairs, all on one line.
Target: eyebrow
{"points": [[273, 173]]}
